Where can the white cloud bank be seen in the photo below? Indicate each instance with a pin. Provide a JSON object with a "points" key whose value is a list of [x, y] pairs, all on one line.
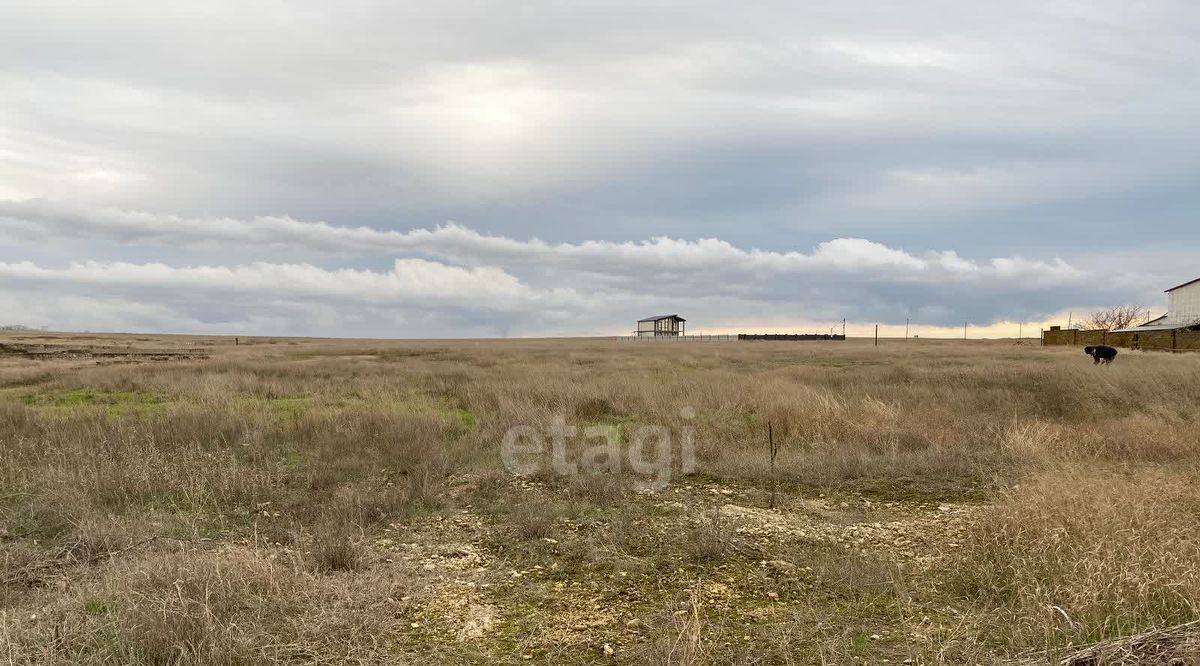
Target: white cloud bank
{"points": [[452, 280], [413, 282], [43, 220]]}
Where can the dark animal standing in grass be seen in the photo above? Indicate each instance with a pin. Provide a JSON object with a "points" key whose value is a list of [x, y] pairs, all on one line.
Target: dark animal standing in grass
{"points": [[1101, 353]]}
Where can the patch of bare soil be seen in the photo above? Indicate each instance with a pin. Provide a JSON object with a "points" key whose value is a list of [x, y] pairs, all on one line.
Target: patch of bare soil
{"points": [[480, 600], [920, 533]]}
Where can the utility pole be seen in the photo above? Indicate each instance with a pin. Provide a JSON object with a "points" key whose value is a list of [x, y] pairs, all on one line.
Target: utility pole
{"points": [[876, 335], [843, 328], [906, 319], [964, 330]]}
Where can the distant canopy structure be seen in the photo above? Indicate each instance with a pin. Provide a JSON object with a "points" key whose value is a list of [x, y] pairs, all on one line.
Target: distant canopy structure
{"points": [[661, 325]]}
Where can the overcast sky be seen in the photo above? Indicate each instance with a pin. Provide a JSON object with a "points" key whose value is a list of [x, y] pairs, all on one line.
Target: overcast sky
{"points": [[405, 169]]}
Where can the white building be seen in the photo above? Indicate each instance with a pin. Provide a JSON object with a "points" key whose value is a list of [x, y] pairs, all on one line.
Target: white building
{"points": [[1183, 304], [660, 325], [1183, 310]]}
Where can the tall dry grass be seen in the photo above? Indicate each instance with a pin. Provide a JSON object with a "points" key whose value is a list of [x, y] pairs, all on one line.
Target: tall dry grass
{"points": [[1076, 554], [1092, 472]]}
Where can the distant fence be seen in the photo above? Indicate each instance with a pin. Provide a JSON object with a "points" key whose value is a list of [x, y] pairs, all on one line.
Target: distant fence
{"points": [[731, 338], [1178, 340], [790, 336], [678, 338]]}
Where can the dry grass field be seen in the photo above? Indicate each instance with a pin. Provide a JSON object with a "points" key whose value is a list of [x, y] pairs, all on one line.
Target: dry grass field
{"points": [[180, 500]]}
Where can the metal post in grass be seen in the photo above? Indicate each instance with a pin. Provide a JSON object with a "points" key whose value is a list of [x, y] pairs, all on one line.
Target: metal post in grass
{"points": [[774, 451]]}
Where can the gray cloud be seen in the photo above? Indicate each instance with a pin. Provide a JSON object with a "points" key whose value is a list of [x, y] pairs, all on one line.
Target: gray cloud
{"points": [[533, 286], [1034, 139]]}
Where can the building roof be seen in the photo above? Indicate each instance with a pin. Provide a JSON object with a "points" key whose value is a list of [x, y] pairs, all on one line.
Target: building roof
{"points": [[1148, 327], [1181, 286], [658, 317]]}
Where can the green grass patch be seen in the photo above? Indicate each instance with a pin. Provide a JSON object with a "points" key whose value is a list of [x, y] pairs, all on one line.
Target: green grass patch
{"points": [[466, 417], [288, 407], [24, 381], [291, 407], [616, 428], [423, 403], [86, 397], [95, 606]]}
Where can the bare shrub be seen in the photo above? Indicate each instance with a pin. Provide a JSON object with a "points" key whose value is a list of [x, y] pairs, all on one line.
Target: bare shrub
{"points": [[1118, 316], [534, 519], [602, 490], [678, 638], [594, 409], [334, 548], [710, 539]]}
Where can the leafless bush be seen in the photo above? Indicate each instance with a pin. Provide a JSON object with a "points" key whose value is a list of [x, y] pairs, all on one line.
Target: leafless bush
{"points": [[1118, 316], [334, 548]]}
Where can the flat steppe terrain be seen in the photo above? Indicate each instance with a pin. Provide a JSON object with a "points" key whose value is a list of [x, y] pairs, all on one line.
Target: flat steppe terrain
{"points": [[186, 500]]}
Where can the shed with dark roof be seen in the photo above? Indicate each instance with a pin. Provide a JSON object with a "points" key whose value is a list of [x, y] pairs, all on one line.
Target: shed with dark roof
{"points": [[661, 325]]}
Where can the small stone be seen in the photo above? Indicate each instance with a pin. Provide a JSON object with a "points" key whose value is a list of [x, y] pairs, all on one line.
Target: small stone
{"points": [[608, 650]]}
